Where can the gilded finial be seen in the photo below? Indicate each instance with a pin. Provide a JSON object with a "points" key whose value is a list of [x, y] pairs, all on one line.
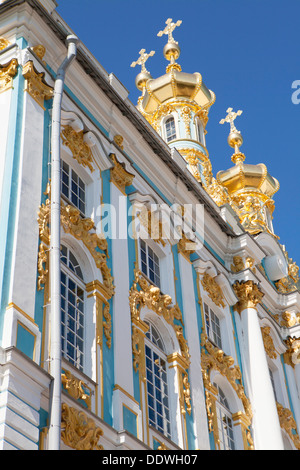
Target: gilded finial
{"points": [[171, 49], [169, 30], [235, 139], [144, 75]]}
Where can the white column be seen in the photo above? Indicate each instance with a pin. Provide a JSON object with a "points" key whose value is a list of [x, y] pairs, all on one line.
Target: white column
{"points": [[192, 336], [266, 427], [122, 316]]}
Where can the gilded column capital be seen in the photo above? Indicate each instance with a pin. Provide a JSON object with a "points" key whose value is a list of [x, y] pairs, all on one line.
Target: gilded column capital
{"points": [[248, 293]]}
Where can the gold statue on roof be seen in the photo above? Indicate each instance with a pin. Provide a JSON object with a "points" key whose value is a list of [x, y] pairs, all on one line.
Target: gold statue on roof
{"points": [[171, 49], [144, 75], [169, 30]]}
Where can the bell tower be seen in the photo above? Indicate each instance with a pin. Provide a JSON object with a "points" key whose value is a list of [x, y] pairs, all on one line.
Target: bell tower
{"points": [[177, 104]]}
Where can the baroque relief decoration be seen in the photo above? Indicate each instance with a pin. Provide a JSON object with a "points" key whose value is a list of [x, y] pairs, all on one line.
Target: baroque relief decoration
{"points": [[213, 358], [76, 388], [213, 289], [35, 84], [82, 229], [119, 175], [143, 294], [7, 73], [239, 264], [78, 431], [79, 148]]}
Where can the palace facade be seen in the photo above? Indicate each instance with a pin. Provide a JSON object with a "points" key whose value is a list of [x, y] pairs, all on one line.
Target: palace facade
{"points": [[177, 319]]}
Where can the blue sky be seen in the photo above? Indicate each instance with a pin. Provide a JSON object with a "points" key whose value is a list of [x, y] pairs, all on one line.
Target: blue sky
{"points": [[248, 53]]}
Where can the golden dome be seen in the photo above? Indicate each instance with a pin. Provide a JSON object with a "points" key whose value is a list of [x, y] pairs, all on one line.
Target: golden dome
{"points": [[176, 85], [245, 177]]}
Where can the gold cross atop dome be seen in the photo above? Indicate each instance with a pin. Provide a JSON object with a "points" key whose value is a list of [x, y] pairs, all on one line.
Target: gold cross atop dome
{"points": [[143, 59], [230, 118], [169, 30], [235, 139]]}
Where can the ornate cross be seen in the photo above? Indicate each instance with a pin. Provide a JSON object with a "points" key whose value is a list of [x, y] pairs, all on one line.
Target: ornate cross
{"points": [[231, 117], [142, 59], [169, 30]]}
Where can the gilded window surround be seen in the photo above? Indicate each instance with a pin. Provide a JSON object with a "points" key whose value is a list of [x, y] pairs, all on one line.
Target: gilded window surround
{"points": [[213, 358], [80, 149], [143, 294]]}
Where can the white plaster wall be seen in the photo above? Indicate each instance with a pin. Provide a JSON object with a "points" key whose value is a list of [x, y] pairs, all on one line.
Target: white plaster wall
{"points": [[121, 309], [193, 340], [24, 263]]}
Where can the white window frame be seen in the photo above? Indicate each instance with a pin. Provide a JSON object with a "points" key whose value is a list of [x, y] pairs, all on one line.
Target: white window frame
{"points": [[163, 126], [157, 383], [78, 319], [213, 328], [70, 196]]}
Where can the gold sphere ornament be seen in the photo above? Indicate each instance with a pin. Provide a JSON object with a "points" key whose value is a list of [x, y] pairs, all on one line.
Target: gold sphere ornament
{"points": [[171, 51], [235, 139], [141, 79]]}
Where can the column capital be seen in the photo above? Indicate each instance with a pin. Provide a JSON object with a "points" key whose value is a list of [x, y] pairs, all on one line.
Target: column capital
{"points": [[248, 293]]}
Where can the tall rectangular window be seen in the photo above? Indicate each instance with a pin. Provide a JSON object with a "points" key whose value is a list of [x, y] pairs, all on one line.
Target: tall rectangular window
{"points": [[72, 187], [149, 263], [212, 325]]}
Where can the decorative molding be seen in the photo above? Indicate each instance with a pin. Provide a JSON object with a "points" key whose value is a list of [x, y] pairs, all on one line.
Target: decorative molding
{"points": [[35, 84], [119, 175], [248, 293], [79, 148], [96, 290], [39, 51], [78, 431], [7, 73], [240, 264], [76, 388]]}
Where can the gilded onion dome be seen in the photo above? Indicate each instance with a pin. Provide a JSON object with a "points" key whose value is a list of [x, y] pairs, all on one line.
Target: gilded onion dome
{"points": [[176, 104], [249, 187]]}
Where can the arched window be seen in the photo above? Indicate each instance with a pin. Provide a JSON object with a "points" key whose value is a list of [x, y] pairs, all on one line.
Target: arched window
{"points": [[157, 384], [72, 309], [224, 419], [170, 129]]}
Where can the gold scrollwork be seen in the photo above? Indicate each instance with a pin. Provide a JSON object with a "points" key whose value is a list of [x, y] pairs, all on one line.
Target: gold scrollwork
{"points": [[78, 431]]}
